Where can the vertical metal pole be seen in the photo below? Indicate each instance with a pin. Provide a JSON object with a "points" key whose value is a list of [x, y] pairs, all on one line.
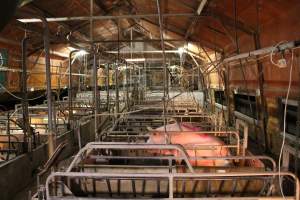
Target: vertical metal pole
{"points": [[227, 94], [59, 80], [91, 20], [164, 64], [95, 94], [129, 85], [70, 90], [140, 85], [107, 86], [51, 142], [297, 144], [8, 133], [127, 89], [145, 79], [99, 91], [263, 113], [117, 87], [26, 128], [199, 81], [193, 79], [117, 72], [171, 192]]}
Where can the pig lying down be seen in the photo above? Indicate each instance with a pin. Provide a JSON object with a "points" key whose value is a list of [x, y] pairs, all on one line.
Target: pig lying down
{"points": [[195, 144]]}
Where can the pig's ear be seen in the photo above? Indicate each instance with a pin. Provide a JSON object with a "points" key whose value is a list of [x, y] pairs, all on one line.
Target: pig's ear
{"points": [[149, 128]]}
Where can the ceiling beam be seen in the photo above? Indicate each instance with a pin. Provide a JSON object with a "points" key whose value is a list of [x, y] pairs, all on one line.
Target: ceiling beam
{"points": [[181, 34], [195, 20], [103, 17], [229, 21], [66, 26]]}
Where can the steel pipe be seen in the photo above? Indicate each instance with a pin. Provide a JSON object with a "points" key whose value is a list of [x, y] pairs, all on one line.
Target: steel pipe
{"points": [[105, 17], [122, 146], [179, 176], [25, 112], [70, 89], [95, 94]]}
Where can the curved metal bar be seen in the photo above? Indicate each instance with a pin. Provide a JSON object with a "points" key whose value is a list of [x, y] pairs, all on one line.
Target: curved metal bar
{"points": [[172, 176], [123, 146], [237, 146]]}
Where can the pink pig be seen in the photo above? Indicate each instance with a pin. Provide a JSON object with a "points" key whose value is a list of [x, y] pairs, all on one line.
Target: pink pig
{"points": [[196, 144]]}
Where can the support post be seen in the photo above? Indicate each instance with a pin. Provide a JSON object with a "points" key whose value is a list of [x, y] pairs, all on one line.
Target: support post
{"points": [[166, 92], [51, 142], [117, 87], [95, 93], [25, 112], [107, 87], [70, 89], [263, 113], [127, 87]]}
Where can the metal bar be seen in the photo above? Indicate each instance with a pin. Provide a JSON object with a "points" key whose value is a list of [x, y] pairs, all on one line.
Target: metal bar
{"points": [[183, 188], [161, 31], [193, 23], [195, 185], [158, 186], [91, 20], [119, 186], [127, 87], [208, 188], [261, 80], [117, 110], [144, 40], [143, 51], [171, 177], [108, 187], [245, 187], [10, 69], [25, 114], [51, 144], [70, 89], [94, 184], [133, 188], [122, 146], [95, 94], [143, 187], [266, 50], [103, 17], [171, 187], [9, 136], [234, 186], [107, 87], [221, 186]]}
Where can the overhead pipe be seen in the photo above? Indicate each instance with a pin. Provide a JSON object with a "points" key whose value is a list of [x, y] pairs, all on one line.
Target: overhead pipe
{"points": [[46, 38], [266, 50], [105, 17]]}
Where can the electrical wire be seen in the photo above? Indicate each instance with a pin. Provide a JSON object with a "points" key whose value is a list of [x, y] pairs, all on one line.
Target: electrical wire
{"points": [[20, 98], [284, 125], [272, 52]]}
